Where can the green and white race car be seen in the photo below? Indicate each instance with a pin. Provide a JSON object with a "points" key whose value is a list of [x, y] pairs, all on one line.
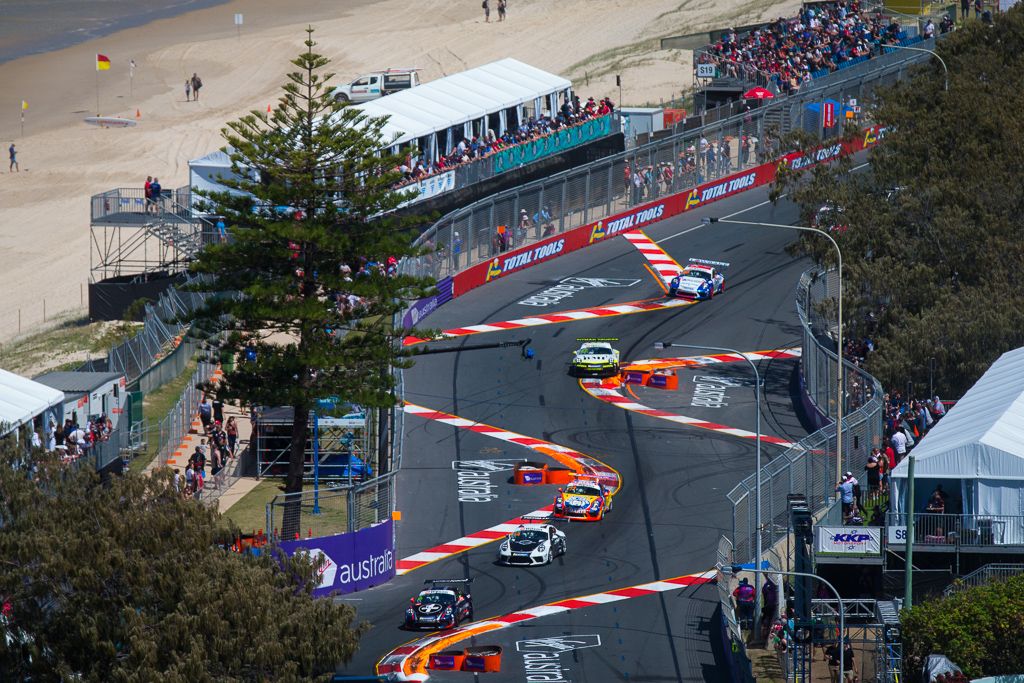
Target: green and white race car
{"points": [[595, 358]]}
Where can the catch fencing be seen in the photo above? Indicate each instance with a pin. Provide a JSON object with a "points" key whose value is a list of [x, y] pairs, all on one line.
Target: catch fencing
{"points": [[602, 188], [809, 467], [339, 507], [164, 323], [176, 424]]}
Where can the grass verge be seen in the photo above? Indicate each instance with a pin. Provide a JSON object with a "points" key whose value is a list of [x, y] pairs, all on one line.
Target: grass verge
{"points": [[249, 514], [65, 346]]}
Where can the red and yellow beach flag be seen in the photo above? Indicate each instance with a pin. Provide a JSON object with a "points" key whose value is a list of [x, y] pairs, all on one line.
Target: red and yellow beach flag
{"points": [[24, 105], [102, 62]]}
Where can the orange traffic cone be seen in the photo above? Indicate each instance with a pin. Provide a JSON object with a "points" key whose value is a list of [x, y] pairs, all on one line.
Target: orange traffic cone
{"points": [[138, 114], [268, 108]]}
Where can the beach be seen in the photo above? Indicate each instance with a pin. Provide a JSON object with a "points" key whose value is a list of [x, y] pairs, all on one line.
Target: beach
{"points": [[44, 209]]}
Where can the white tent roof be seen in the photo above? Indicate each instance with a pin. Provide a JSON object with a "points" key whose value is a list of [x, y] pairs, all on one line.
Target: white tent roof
{"points": [[982, 436], [462, 97], [21, 399]]}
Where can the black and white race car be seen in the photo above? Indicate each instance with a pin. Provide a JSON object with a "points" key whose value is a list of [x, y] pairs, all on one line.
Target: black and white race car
{"points": [[445, 604], [532, 545]]}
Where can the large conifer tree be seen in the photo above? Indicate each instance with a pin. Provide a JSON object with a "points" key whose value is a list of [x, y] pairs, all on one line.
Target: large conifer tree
{"points": [[312, 194]]}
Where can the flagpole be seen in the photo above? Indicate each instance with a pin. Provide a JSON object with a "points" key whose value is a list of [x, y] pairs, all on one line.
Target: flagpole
{"points": [[97, 88]]}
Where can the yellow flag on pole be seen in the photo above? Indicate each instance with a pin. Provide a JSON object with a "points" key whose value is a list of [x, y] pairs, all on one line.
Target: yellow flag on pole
{"points": [[24, 105]]}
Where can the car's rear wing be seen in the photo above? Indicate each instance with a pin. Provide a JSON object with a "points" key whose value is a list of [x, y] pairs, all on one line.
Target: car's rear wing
{"points": [[434, 582], [597, 339], [708, 262], [541, 518]]}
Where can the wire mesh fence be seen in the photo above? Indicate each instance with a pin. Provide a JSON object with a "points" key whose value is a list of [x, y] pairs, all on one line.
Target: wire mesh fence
{"points": [[176, 424], [164, 323], [810, 467], [330, 511], [731, 140]]}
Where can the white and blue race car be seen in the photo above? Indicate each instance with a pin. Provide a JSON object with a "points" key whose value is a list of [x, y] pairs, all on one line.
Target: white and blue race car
{"points": [[701, 279]]}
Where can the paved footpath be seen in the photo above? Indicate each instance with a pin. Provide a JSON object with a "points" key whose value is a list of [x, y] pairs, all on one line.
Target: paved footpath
{"points": [[236, 487]]}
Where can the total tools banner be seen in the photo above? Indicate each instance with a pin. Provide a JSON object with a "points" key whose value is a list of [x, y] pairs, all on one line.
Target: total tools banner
{"points": [[651, 212]]}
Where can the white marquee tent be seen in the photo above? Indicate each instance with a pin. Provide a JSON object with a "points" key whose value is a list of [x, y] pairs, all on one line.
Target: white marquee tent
{"points": [[437, 114], [21, 400], [977, 450]]}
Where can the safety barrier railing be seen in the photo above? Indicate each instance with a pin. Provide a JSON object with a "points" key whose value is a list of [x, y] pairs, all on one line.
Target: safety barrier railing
{"points": [[174, 426], [601, 188], [956, 530], [809, 467], [996, 571]]}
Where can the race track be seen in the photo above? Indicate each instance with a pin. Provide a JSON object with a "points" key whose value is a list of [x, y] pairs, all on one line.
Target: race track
{"points": [[671, 509]]}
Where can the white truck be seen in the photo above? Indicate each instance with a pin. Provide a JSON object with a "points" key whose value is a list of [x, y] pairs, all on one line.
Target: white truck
{"points": [[371, 86]]}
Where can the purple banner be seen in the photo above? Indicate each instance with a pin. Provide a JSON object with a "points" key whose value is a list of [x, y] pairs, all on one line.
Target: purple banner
{"points": [[352, 562], [424, 307]]}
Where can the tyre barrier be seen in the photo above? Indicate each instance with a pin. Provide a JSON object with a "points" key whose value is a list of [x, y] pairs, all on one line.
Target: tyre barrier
{"points": [[481, 659], [528, 473]]}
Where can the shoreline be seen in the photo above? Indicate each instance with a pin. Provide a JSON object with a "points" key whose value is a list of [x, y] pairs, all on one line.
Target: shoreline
{"points": [[43, 44], [47, 246]]}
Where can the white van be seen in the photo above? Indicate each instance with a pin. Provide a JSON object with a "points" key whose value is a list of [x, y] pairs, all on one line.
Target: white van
{"points": [[371, 86]]}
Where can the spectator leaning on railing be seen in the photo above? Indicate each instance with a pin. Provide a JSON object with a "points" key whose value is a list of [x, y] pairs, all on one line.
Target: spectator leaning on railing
{"points": [[470, 150]]}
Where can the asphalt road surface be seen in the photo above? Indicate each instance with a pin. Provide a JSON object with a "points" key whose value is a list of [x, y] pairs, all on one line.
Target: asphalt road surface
{"points": [[672, 508]]}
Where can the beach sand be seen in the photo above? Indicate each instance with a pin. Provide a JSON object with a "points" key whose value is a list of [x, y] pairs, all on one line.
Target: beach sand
{"points": [[44, 209]]}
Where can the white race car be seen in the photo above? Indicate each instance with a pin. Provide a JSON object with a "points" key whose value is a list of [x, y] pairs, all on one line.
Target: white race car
{"points": [[595, 357], [701, 279], [532, 545]]}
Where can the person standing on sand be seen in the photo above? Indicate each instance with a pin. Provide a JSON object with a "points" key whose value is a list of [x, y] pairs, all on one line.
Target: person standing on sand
{"points": [[13, 153], [188, 89], [486, 5], [502, 6], [197, 83]]}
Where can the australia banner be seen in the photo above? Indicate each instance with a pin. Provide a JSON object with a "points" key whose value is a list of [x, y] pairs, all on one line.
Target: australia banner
{"points": [[350, 562]]}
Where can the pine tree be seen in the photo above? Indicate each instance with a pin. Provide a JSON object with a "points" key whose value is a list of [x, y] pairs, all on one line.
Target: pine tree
{"points": [[313, 193], [125, 580]]}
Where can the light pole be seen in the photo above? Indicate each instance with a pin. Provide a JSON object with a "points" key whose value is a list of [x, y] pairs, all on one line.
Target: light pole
{"points": [[839, 328], [757, 465], [842, 616], [931, 52]]}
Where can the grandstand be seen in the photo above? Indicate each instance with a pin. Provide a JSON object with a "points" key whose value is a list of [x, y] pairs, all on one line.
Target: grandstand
{"points": [[784, 55]]}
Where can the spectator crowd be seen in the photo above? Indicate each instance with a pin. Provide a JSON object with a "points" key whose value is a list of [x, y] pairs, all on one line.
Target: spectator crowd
{"points": [[790, 51], [74, 441], [468, 150], [906, 420]]}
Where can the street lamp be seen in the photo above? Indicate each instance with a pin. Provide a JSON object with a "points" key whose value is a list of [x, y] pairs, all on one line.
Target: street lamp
{"points": [[931, 52], [757, 464], [839, 327], [735, 569]]}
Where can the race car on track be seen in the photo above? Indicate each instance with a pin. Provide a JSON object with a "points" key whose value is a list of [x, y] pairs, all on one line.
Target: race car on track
{"points": [[595, 358], [701, 279], [583, 499], [532, 545], [445, 604]]}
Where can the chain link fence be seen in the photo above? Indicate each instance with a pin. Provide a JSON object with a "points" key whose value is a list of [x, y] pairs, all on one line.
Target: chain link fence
{"points": [[601, 188], [810, 467], [176, 424], [164, 323]]}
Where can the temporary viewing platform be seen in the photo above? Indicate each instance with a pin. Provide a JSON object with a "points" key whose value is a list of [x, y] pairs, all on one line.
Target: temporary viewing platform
{"points": [[132, 236]]}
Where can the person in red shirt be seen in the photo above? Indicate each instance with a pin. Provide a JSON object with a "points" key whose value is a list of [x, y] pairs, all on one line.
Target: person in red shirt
{"points": [[890, 454]]}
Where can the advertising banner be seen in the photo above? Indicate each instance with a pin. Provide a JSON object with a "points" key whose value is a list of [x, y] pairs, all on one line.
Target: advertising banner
{"points": [[853, 541], [431, 186], [427, 305], [556, 142], [651, 212], [351, 562]]}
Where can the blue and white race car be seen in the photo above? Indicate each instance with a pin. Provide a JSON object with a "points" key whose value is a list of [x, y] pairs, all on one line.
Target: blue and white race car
{"points": [[701, 279]]}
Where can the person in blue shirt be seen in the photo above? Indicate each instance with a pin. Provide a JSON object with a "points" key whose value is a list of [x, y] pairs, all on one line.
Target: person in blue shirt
{"points": [[845, 491]]}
